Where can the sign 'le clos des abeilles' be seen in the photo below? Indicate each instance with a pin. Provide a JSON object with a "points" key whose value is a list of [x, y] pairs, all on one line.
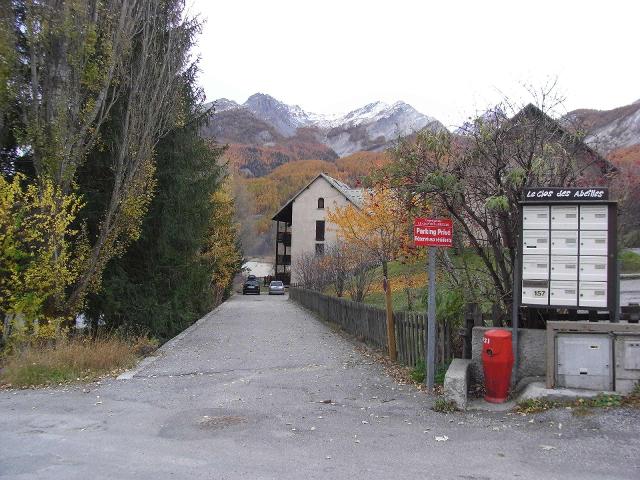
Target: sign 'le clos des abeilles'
{"points": [[565, 194]]}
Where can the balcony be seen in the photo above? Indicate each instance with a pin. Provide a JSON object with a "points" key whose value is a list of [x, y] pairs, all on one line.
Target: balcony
{"points": [[284, 238], [283, 260]]}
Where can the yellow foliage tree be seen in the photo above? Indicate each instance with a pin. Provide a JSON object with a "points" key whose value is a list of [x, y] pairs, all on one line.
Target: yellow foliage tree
{"points": [[222, 250], [381, 226], [38, 256]]}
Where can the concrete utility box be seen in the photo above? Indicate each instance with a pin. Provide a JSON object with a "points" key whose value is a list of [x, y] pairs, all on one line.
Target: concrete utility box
{"points": [[627, 350], [584, 361], [593, 355]]}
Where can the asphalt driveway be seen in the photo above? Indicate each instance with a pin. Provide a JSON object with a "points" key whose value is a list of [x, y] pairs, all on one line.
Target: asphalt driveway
{"points": [[260, 389]]}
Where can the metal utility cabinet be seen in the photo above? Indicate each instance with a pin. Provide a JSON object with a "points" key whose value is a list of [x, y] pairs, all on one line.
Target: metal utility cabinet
{"points": [[584, 361], [593, 355], [627, 362]]}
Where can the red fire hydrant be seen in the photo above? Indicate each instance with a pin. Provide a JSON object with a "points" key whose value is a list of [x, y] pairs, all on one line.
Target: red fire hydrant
{"points": [[497, 362]]}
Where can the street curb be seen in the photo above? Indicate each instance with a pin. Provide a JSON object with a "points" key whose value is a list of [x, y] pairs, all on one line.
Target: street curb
{"points": [[145, 362], [169, 345]]}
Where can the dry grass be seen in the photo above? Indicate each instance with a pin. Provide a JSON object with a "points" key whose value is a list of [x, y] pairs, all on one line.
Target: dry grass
{"points": [[71, 360]]}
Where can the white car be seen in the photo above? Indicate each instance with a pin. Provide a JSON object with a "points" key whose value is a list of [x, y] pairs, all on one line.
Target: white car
{"points": [[276, 287]]}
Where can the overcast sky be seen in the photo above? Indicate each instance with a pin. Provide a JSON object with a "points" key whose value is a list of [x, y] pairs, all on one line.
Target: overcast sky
{"points": [[446, 58]]}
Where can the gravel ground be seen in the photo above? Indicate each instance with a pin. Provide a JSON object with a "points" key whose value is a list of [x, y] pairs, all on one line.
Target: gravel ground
{"points": [[260, 389]]}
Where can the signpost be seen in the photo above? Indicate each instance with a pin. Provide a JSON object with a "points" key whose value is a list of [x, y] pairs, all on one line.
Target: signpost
{"points": [[432, 232]]}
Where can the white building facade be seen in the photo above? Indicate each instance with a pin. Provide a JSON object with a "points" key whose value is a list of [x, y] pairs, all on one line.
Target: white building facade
{"points": [[302, 225]]}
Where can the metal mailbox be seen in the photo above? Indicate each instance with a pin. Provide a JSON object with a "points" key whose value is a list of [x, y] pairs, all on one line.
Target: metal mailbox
{"points": [[564, 217], [563, 292], [535, 292], [564, 242], [535, 241], [594, 217], [535, 217], [564, 267], [535, 267], [593, 294], [593, 243], [593, 268]]}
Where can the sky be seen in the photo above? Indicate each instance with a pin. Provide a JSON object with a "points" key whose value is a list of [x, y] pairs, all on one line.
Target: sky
{"points": [[448, 59]]}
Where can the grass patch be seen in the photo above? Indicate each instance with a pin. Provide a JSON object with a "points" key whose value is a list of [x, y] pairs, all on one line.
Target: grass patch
{"points": [[630, 262], [398, 300], [443, 405], [419, 372], [72, 360], [581, 406], [535, 405]]}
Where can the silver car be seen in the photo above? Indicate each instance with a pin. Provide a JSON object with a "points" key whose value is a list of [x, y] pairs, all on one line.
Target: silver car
{"points": [[276, 287]]}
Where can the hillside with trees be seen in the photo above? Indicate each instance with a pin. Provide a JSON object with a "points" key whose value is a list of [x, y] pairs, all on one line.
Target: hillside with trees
{"points": [[260, 198]]}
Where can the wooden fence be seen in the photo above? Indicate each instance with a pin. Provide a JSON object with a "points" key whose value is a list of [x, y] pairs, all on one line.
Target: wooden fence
{"points": [[368, 324]]}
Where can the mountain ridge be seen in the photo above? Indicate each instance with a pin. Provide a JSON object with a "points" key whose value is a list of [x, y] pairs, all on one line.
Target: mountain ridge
{"points": [[266, 132], [607, 130], [269, 120]]}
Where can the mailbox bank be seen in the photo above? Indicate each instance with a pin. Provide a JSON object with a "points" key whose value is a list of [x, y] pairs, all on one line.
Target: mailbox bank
{"points": [[568, 250], [568, 257]]}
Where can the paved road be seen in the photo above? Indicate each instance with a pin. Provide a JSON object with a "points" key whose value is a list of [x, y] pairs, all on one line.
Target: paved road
{"points": [[240, 394]]}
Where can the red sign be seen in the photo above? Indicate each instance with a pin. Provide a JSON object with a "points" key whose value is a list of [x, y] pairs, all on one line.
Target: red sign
{"points": [[433, 232]]}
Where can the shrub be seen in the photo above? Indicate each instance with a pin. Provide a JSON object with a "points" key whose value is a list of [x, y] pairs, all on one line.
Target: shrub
{"points": [[418, 374], [69, 360], [443, 405], [630, 262], [534, 405]]}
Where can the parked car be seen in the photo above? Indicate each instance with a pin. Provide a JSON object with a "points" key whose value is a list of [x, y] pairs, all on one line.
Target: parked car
{"points": [[276, 287], [252, 285]]}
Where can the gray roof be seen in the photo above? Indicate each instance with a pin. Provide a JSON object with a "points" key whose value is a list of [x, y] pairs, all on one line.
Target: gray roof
{"points": [[354, 195]]}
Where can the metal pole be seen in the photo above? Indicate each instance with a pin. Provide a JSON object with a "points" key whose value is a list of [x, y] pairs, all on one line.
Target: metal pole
{"points": [[431, 322], [616, 300], [515, 300]]}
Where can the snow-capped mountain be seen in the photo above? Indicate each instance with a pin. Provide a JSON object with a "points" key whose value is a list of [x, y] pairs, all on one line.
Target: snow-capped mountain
{"points": [[370, 127], [286, 119], [608, 130], [223, 104]]}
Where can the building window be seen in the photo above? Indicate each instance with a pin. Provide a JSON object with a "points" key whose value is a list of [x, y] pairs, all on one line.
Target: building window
{"points": [[320, 230], [319, 248], [321, 202]]}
